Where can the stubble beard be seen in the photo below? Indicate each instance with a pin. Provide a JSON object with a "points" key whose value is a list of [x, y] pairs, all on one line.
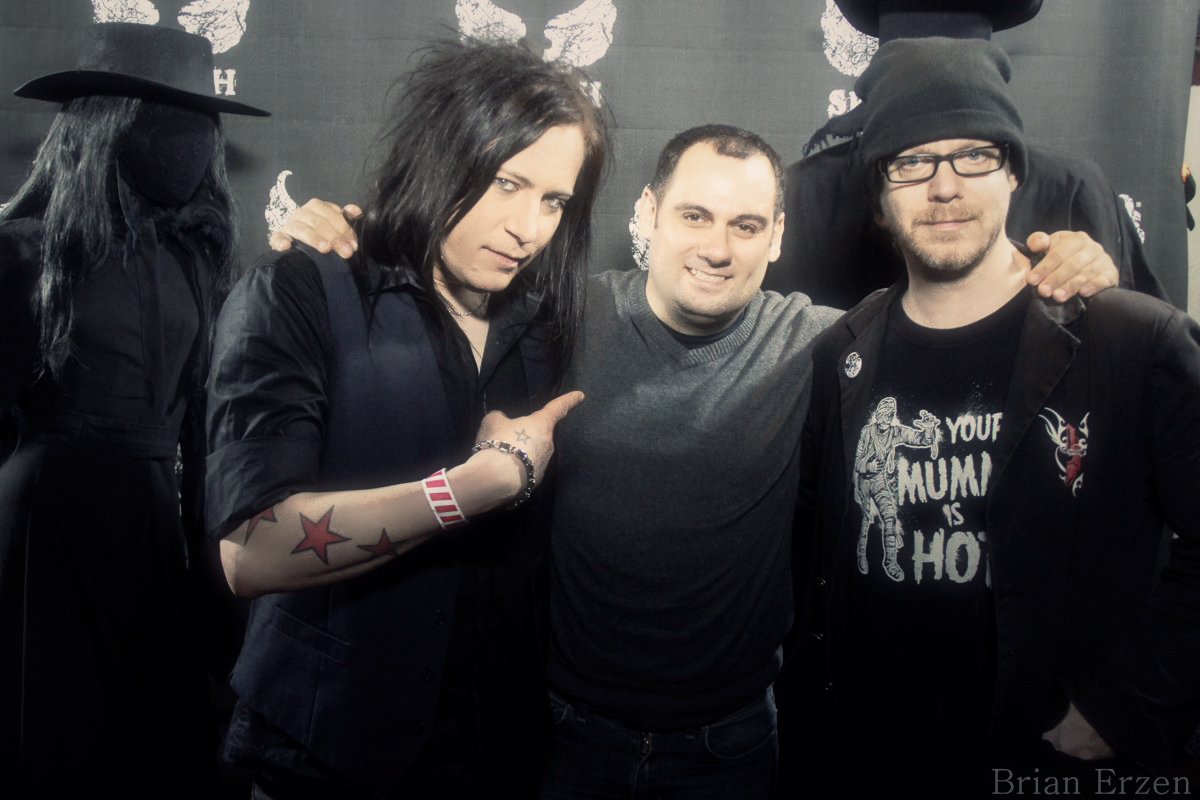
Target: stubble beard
{"points": [[943, 265]]}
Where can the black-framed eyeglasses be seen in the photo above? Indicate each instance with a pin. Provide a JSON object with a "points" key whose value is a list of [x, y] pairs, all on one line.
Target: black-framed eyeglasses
{"points": [[968, 162]]}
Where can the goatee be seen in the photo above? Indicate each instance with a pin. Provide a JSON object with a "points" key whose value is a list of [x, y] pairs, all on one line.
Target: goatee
{"points": [[936, 267]]}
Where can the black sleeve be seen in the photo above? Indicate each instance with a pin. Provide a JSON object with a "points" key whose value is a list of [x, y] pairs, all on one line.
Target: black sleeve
{"points": [[1064, 192], [20, 255], [1146, 701], [266, 391], [833, 250]]}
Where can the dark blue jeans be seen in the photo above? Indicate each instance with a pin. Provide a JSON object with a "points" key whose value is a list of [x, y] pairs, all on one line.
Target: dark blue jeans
{"points": [[736, 757]]}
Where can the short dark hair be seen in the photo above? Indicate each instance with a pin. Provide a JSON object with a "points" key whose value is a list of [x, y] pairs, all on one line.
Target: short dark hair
{"points": [[727, 140], [464, 110]]}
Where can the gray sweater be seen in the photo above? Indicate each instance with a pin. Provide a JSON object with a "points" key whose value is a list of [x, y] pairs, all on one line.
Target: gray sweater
{"points": [[671, 538]]}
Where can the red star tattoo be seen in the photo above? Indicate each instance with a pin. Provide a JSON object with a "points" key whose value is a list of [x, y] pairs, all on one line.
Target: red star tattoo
{"points": [[268, 515], [317, 536], [385, 546]]}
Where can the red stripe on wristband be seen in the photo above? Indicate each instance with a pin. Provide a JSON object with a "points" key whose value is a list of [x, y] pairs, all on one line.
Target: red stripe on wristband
{"points": [[441, 500]]}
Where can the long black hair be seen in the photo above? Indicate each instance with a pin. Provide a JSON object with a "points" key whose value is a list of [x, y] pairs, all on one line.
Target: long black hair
{"points": [[465, 109], [70, 189]]}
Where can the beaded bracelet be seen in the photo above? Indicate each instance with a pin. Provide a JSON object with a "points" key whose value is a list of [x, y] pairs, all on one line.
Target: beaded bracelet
{"points": [[505, 447], [441, 499]]}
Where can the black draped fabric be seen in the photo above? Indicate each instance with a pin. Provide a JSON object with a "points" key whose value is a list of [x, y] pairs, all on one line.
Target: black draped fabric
{"points": [[101, 678]]}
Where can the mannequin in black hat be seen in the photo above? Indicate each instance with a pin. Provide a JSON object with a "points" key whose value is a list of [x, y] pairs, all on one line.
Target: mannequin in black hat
{"points": [[113, 256], [834, 252]]}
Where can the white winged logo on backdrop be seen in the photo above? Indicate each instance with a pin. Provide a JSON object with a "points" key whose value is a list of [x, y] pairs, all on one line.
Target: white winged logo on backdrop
{"points": [[222, 22], [579, 37], [848, 50]]}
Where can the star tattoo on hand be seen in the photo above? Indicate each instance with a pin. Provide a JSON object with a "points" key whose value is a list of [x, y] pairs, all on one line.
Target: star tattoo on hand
{"points": [[385, 546], [317, 536], [522, 436]]}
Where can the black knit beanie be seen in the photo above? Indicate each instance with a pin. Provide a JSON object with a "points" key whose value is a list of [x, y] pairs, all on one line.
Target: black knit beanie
{"points": [[925, 90]]}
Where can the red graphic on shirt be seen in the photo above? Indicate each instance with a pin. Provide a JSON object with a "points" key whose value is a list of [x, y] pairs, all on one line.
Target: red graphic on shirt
{"points": [[1074, 466], [1070, 447], [385, 546], [317, 536], [268, 515]]}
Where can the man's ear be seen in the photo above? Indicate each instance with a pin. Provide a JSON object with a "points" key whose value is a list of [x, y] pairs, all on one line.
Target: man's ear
{"points": [[647, 212], [877, 205], [776, 239]]}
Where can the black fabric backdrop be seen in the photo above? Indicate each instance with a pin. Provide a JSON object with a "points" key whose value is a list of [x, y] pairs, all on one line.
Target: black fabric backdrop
{"points": [[1108, 78]]}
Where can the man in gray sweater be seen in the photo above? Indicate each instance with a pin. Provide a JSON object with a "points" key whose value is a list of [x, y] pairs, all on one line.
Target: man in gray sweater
{"points": [[670, 581]]}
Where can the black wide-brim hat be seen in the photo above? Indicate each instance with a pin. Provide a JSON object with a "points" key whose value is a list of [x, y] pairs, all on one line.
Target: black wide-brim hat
{"points": [[894, 19], [133, 60]]}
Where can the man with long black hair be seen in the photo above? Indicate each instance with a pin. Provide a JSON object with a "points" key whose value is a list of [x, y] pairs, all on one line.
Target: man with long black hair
{"points": [[392, 648]]}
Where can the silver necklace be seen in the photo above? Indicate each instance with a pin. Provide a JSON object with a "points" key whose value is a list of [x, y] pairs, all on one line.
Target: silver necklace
{"points": [[474, 312]]}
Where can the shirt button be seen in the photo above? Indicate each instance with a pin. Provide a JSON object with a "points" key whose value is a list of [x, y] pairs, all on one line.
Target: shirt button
{"points": [[428, 674], [417, 728], [439, 617]]}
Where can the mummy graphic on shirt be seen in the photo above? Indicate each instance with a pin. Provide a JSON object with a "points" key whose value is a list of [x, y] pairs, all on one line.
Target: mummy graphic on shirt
{"points": [[920, 487]]}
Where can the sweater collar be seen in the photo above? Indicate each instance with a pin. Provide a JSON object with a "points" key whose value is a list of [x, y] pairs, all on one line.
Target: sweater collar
{"points": [[651, 328]]}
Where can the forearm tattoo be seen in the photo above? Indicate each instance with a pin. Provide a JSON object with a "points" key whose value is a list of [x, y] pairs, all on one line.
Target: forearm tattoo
{"points": [[384, 547], [318, 537], [268, 516]]}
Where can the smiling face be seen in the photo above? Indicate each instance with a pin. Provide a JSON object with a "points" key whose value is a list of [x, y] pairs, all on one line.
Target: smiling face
{"points": [[711, 234], [946, 226], [516, 217]]}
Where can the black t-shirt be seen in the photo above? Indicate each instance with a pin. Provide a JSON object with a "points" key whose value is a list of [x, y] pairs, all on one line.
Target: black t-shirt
{"points": [[922, 629]]}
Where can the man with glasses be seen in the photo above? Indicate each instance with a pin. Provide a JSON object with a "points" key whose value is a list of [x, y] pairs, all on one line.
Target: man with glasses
{"points": [[989, 476], [920, 167], [834, 252]]}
